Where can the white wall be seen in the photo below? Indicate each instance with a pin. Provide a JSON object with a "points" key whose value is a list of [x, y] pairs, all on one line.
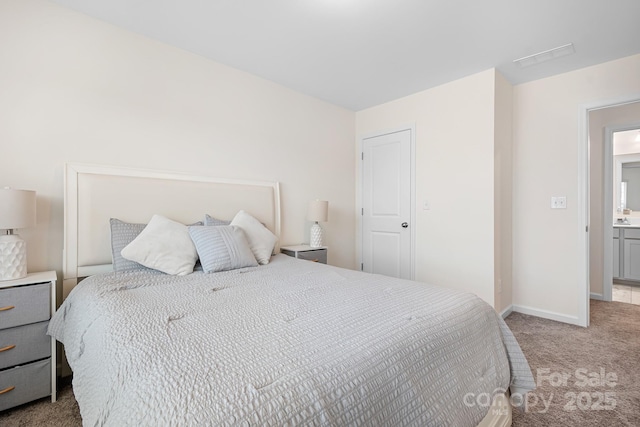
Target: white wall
{"points": [[455, 172], [546, 253], [75, 89], [455, 124], [503, 182]]}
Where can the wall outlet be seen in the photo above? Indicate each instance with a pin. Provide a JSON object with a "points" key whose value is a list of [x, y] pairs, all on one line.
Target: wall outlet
{"points": [[559, 202]]}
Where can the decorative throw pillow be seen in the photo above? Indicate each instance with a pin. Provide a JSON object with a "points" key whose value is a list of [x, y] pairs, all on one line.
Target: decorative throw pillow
{"points": [[261, 239], [123, 233], [163, 245], [222, 248], [211, 221]]}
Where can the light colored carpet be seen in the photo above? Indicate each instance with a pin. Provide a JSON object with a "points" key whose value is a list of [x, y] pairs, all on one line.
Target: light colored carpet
{"points": [[611, 343]]}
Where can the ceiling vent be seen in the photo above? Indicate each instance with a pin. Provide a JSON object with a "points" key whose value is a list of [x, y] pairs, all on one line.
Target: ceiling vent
{"points": [[544, 56]]}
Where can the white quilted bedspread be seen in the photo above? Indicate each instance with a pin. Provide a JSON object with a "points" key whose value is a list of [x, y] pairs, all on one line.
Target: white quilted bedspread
{"points": [[286, 344]]}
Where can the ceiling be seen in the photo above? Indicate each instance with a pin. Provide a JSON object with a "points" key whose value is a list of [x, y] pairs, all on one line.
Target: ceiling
{"points": [[361, 53]]}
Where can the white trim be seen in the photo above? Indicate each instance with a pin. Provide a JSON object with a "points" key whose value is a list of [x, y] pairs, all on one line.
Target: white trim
{"points": [[583, 218], [413, 201], [584, 287], [360, 182], [546, 314], [77, 168], [506, 312], [598, 297], [607, 216]]}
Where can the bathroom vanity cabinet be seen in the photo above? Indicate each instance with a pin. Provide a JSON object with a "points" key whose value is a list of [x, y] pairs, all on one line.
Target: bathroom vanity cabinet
{"points": [[626, 253]]}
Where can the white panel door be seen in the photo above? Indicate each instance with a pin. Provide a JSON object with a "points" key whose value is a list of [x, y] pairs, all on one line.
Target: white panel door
{"points": [[386, 204]]}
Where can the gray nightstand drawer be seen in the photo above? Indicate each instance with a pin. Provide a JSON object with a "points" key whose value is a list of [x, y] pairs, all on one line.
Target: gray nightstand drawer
{"points": [[27, 353], [306, 252], [24, 304], [24, 344], [25, 383], [319, 255]]}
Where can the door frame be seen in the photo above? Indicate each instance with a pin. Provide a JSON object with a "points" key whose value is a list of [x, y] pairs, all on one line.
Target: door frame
{"points": [[607, 270], [584, 174], [412, 192]]}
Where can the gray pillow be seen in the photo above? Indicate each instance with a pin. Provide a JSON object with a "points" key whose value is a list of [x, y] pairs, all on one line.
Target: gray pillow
{"points": [[222, 248], [211, 221], [123, 233]]}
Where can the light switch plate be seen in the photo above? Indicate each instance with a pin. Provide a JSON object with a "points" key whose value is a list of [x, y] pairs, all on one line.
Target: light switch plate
{"points": [[559, 202]]}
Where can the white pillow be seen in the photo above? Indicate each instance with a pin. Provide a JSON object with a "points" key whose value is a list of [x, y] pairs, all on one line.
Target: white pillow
{"points": [[163, 245], [261, 240]]}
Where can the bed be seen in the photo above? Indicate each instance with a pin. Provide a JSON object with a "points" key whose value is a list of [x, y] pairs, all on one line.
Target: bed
{"points": [[287, 343]]}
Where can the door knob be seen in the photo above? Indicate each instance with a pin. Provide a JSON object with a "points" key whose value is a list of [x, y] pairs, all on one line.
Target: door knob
{"points": [[405, 224]]}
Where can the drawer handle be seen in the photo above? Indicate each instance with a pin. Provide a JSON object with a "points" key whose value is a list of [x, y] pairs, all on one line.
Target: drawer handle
{"points": [[9, 347], [9, 307], [7, 390]]}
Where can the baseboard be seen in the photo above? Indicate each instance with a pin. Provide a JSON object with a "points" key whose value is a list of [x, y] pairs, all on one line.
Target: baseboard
{"points": [[619, 281], [545, 314], [599, 297], [507, 311]]}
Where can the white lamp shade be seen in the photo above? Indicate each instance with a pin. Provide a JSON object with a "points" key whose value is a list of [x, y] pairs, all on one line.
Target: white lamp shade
{"points": [[318, 211], [17, 208]]}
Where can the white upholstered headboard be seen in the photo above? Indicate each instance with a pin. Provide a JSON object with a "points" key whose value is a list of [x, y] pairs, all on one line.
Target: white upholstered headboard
{"points": [[94, 194]]}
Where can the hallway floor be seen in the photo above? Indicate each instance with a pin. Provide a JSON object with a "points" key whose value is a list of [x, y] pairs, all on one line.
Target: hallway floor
{"points": [[626, 293]]}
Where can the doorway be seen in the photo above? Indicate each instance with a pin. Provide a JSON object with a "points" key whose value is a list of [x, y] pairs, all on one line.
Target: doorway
{"points": [[599, 120], [387, 203]]}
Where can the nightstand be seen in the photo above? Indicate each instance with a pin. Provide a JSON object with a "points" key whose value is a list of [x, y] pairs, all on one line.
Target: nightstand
{"points": [[306, 252], [27, 353]]}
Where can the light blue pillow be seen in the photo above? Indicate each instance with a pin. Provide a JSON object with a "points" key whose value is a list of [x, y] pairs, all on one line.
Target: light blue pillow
{"points": [[222, 248], [211, 221]]}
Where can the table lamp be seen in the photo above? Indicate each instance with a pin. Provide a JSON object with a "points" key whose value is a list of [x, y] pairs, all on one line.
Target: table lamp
{"points": [[17, 210], [318, 212]]}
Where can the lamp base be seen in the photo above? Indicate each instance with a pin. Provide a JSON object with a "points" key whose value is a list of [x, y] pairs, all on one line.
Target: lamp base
{"points": [[13, 257], [315, 238]]}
